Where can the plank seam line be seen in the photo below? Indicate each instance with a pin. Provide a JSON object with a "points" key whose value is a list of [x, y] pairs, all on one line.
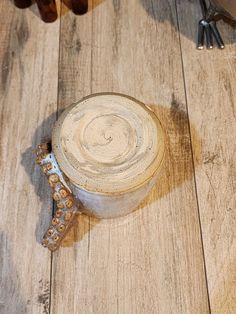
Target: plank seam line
{"points": [[91, 91], [57, 108], [193, 163]]}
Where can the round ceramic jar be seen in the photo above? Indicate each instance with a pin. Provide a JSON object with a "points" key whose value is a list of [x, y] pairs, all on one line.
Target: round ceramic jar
{"points": [[108, 149]]}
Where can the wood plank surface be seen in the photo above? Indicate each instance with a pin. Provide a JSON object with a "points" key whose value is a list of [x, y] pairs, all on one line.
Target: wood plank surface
{"points": [[28, 88], [211, 92], [176, 254], [150, 261]]}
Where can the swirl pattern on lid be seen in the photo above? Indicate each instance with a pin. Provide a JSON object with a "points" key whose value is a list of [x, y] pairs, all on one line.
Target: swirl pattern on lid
{"points": [[108, 143]]}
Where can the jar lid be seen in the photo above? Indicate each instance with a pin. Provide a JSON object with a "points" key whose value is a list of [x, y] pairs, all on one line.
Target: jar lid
{"points": [[108, 143]]}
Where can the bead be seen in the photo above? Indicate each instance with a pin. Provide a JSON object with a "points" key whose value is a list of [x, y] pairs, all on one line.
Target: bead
{"points": [[51, 184], [52, 247], [58, 213], [45, 170], [61, 228], [50, 232], [41, 155], [38, 160], [69, 203], [39, 152], [55, 221], [43, 146], [60, 205], [53, 178], [56, 196], [63, 193], [45, 242], [56, 238], [49, 166], [67, 216]]}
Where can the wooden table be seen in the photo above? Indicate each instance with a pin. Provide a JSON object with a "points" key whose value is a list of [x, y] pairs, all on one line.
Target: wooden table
{"points": [[177, 254]]}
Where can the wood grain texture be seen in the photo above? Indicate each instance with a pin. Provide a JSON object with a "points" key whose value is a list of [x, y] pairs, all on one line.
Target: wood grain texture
{"points": [[210, 85], [28, 87], [150, 261]]}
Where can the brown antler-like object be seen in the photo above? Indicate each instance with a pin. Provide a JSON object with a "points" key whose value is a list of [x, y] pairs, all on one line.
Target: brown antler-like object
{"points": [[66, 205]]}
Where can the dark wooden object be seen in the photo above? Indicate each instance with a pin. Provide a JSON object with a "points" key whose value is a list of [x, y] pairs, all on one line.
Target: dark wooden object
{"points": [[48, 10], [79, 6], [22, 4]]}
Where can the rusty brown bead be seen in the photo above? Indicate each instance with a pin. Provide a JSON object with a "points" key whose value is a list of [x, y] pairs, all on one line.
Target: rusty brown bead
{"points": [[50, 232], [41, 155], [45, 170], [68, 216], [53, 178], [63, 193], [55, 221], [49, 166], [69, 203], [39, 152], [45, 242], [52, 185], [43, 146], [61, 228], [52, 247], [56, 238], [58, 213], [60, 205], [56, 196], [38, 160]]}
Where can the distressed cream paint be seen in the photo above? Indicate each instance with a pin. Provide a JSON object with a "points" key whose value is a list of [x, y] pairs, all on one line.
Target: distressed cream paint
{"points": [[111, 148]]}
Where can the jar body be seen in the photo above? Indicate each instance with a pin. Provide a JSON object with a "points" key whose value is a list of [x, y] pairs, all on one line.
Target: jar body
{"points": [[105, 206]]}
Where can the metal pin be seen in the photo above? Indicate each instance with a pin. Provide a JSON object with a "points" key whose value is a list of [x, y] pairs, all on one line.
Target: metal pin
{"points": [[216, 34], [200, 40], [209, 40]]}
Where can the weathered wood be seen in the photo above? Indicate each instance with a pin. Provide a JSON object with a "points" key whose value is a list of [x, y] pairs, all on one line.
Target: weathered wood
{"points": [[150, 261], [28, 87], [210, 85], [74, 83]]}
